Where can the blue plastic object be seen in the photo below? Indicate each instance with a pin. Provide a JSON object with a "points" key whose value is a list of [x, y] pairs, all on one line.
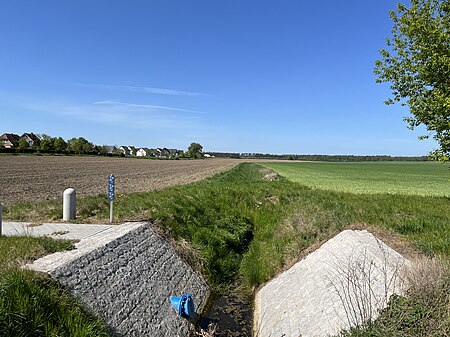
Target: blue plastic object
{"points": [[184, 305]]}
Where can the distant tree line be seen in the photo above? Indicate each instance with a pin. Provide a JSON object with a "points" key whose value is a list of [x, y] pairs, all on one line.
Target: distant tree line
{"points": [[43, 143], [316, 157], [47, 144], [80, 146]]}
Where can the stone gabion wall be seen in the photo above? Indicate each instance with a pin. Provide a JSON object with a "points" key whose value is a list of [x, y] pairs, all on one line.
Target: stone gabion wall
{"points": [[128, 283]]}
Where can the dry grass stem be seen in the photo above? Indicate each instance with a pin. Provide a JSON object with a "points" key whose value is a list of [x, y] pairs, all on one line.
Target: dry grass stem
{"points": [[364, 283], [209, 332]]}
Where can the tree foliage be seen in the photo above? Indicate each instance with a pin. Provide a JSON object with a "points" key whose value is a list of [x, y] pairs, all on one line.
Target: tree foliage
{"points": [[80, 145], [103, 150], [195, 150], [417, 65], [60, 144], [47, 143], [23, 144]]}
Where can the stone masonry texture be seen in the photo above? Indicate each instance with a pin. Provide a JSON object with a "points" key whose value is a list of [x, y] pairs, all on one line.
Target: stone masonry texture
{"points": [[128, 283]]}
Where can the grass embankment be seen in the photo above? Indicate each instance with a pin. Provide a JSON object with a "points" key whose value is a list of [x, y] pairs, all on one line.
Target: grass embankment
{"points": [[32, 304], [248, 220]]}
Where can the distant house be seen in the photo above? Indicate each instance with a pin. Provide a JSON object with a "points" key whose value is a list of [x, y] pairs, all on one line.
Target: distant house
{"points": [[165, 153], [160, 152], [31, 139], [132, 150], [128, 150], [10, 140], [143, 152], [174, 153], [124, 150]]}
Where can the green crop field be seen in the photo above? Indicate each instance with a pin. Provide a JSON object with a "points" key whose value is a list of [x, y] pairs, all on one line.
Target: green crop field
{"points": [[411, 178]]}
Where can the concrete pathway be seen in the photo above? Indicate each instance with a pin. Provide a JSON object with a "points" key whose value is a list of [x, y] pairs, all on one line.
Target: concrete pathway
{"points": [[66, 231], [341, 284]]}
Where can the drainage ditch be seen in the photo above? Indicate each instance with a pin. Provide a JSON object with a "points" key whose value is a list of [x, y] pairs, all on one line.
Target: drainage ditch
{"points": [[231, 313]]}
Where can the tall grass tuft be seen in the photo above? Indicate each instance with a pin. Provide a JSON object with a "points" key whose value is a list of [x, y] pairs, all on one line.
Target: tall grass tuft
{"points": [[31, 304], [18, 250], [424, 310]]}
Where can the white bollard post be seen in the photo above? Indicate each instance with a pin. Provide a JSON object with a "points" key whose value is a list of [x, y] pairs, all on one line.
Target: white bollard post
{"points": [[69, 204]]}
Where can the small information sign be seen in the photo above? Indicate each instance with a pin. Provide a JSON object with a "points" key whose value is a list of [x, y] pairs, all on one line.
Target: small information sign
{"points": [[111, 187]]}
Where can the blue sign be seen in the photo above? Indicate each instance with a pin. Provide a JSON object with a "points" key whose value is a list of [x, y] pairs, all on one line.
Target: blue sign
{"points": [[111, 183]]}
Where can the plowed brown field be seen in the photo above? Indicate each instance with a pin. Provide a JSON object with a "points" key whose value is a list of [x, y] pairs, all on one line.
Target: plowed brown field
{"points": [[46, 177]]}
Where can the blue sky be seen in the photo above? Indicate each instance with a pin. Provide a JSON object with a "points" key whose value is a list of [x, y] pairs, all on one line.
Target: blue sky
{"points": [[240, 76]]}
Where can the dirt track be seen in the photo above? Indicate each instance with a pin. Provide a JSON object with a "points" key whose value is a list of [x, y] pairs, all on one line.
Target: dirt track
{"points": [[45, 177]]}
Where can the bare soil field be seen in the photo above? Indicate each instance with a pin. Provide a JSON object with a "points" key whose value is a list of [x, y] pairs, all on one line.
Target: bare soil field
{"points": [[26, 178]]}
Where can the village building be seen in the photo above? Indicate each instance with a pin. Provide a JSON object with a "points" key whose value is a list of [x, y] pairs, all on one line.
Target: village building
{"points": [[31, 139], [128, 150], [143, 152], [10, 140]]}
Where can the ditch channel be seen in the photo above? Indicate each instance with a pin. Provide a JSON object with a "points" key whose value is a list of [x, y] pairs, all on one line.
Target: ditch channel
{"points": [[230, 312]]}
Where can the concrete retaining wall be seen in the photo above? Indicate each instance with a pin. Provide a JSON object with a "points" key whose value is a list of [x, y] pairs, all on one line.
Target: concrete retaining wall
{"points": [[340, 285], [128, 282]]}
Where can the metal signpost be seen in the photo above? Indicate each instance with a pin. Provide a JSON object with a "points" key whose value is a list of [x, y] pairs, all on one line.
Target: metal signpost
{"points": [[111, 183]]}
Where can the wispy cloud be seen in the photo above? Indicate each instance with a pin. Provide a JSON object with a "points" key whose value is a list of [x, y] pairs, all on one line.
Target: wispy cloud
{"points": [[146, 106], [149, 90], [118, 113]]}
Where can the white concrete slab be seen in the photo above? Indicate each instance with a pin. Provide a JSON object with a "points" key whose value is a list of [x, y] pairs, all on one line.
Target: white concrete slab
{"points": [[337, 286], [86, 244], [55, 230]]}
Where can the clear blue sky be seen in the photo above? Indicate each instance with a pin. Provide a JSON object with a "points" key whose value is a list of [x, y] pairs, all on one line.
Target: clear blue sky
{"points": [[241, 76]]}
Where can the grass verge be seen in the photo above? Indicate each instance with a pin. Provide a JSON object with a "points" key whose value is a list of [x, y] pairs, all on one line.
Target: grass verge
{"points": [[19, 250], [32, 304]]}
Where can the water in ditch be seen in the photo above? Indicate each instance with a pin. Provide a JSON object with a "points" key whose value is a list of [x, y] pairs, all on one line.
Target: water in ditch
{"points": [[232, 313]]}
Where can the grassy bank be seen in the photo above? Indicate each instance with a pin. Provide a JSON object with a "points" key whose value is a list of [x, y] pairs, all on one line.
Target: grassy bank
{"points": [[32, 304], [249, 221]]}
